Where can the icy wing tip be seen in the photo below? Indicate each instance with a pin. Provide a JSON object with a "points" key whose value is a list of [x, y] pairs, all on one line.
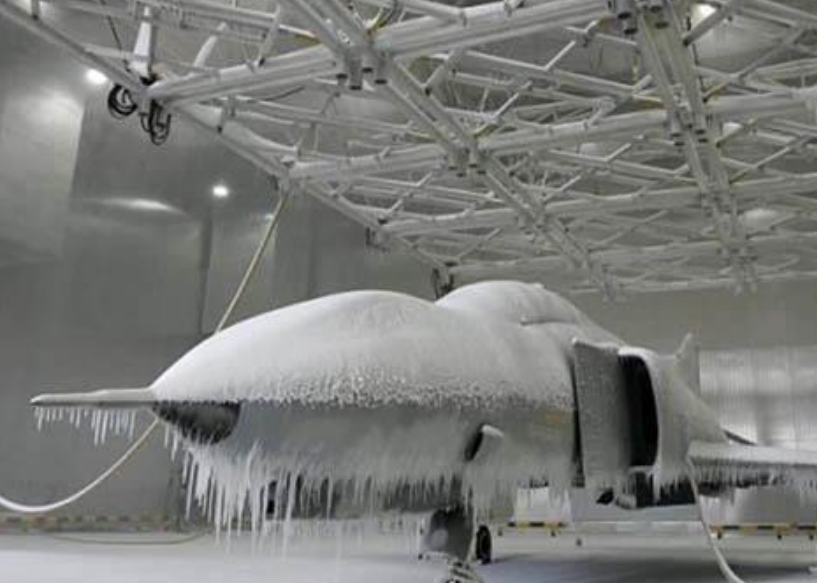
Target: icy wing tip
{"points": [[106, 398]]}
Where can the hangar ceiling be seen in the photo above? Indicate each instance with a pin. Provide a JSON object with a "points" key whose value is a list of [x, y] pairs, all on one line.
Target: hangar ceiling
{"points": [[635, 146]]}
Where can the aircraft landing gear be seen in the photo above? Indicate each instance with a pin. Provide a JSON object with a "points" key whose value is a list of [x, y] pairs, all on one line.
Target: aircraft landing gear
{"points": [[460, 572], [448, 532], [483, 545]]}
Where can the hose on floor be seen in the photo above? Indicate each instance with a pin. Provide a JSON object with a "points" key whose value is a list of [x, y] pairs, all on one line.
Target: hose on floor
{"points": [[252, 268], [724, 567], [188, 538]]}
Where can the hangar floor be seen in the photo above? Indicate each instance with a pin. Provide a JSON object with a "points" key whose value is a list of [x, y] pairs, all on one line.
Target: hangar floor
{"points": [[522, 558]]}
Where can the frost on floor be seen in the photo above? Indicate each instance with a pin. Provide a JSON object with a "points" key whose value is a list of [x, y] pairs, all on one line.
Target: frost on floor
{"points": [[532, 558]]}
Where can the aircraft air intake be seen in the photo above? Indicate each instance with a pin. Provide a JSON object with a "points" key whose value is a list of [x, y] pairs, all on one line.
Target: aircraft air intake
{"points": [[201, 422]]}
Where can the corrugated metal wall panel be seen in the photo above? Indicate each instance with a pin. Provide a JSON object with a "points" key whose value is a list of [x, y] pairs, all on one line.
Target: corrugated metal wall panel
{"points": [[767, 395]]}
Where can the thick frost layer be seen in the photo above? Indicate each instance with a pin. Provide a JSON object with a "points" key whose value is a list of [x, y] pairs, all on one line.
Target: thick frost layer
{"points": [[748, 465], [378, 395], [514, 302], [368, 401], [376, 348]]}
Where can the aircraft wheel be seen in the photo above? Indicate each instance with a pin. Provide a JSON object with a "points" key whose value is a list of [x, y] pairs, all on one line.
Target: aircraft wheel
{"points": [[483, 546]]}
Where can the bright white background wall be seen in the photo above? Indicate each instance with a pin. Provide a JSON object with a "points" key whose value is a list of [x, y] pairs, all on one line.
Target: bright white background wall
{"points": [[777, 314]]}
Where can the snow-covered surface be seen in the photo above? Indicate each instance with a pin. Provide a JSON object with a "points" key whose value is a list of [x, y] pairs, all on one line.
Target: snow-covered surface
{"points": [[377, 394], [373, 348], [522, 558], [734, 464]]}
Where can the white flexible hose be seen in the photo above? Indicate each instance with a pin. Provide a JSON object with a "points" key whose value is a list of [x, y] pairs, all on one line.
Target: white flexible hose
{"points": [[137, 445], [724, 567], [43, 508], [252, 266]]}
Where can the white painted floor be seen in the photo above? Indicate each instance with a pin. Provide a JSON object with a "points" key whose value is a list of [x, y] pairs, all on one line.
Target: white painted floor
{"points": [[521, 558]]}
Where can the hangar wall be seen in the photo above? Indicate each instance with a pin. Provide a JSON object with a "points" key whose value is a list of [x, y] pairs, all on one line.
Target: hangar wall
{"points": [[775, 315], [115, 259], [769, 396]]}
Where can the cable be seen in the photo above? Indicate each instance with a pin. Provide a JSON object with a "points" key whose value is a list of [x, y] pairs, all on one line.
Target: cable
{"points": [[44, 508], [146, 543], [285, 94], [115, 34], [156, 122], [140, 442], [724, 567], [120, 102], [256, 258]]}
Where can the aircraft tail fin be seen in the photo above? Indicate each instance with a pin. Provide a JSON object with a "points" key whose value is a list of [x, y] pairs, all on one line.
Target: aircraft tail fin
{"points": [[688, 363], [103, 399]]}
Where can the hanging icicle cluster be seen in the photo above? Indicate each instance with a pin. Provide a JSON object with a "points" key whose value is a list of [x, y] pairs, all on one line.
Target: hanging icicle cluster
{"points": [[318, 463], [102, 421]]}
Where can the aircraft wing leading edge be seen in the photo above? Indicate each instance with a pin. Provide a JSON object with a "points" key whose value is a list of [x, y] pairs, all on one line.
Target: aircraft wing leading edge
{"points": [[746, 465]]}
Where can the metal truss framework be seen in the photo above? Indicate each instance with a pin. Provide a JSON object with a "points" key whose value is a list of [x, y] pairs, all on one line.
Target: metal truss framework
{"points": [[675, 175]]}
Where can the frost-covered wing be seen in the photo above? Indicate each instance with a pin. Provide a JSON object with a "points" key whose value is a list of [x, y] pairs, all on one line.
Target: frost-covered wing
{"points": [[745, 465]]}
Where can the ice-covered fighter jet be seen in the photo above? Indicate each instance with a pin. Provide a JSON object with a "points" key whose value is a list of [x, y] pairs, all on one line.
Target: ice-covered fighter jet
{"points": [[376, 400]]}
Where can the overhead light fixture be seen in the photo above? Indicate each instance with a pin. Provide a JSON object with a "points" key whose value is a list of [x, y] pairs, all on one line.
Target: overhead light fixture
{"points": [[95, 77], [221, 191], [705, 11]]}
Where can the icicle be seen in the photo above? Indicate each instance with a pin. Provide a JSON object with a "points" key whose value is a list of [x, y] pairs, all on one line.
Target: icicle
{"points": [[95, 425], [291, 491], [191, 478], [103, 426], [174, 445]]}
